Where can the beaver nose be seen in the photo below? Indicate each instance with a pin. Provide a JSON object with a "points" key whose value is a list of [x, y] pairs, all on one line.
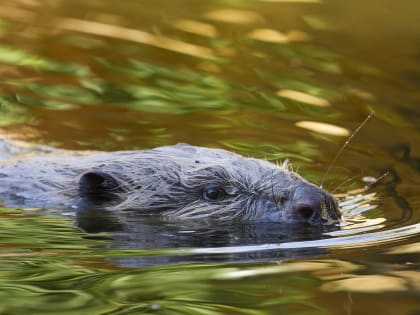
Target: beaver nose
{"points": [[314, 205], [308, 209]]}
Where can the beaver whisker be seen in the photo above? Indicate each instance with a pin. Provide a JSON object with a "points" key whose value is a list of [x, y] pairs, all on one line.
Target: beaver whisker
{"points": [[197, 210], [370, 185], [347, 181], [334, 160]]}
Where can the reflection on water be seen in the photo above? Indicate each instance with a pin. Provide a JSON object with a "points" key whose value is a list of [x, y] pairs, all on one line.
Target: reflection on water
{"points": [[71, 271], [133, 35], [323, 128], [272, 79]]}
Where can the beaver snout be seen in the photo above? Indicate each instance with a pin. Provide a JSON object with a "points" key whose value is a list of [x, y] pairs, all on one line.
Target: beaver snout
{"points": [[307, 210], [314, 205]]}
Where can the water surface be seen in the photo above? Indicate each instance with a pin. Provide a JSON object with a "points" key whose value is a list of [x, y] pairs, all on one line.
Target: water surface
{"points": [[271, 79]]}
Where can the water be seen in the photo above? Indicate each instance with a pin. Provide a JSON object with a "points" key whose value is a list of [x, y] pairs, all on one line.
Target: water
{"points": [[249, 76]]}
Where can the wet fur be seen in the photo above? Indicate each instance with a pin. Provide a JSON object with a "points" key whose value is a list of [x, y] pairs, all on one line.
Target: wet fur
{"points": [[168, 180]]}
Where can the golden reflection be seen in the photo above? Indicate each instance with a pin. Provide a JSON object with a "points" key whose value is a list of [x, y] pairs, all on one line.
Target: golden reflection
{"points": [[411, 276], [366, 284], [293, 1], [367, 96], [234, 16], [31, 3], [273, 36], [337, 269], [353, 200], [236, 273], [195, 27], [323, 128], [406, 249], [16, 14], [354, 205], [114, 31], [209, 67], [359, 224], [119, 32], [326, 270], [304, 98]]}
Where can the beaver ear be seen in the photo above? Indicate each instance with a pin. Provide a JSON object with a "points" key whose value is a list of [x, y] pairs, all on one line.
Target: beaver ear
{"points": [[98, 186]]}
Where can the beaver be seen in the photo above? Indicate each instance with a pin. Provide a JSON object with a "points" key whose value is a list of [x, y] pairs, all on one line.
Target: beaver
{"points": [[178, 182]]}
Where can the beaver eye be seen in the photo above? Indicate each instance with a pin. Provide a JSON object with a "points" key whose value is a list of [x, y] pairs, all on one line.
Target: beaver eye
{"points": [[214, 193]]}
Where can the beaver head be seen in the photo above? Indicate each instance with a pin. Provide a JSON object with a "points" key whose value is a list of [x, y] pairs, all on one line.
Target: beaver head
{"points": [[189, 182]]}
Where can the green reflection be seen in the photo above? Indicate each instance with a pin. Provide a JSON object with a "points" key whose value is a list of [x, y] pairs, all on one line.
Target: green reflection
{"points": [[281, 82], [316, 22], [11, 113], [22, 58], [3, 27], [301, 150], [163, 90], [55, 268], [388, 115], [64, 92]]}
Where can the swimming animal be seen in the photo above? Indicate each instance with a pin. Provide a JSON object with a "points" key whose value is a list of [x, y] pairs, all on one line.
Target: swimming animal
{"points": [[178, 182]]}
